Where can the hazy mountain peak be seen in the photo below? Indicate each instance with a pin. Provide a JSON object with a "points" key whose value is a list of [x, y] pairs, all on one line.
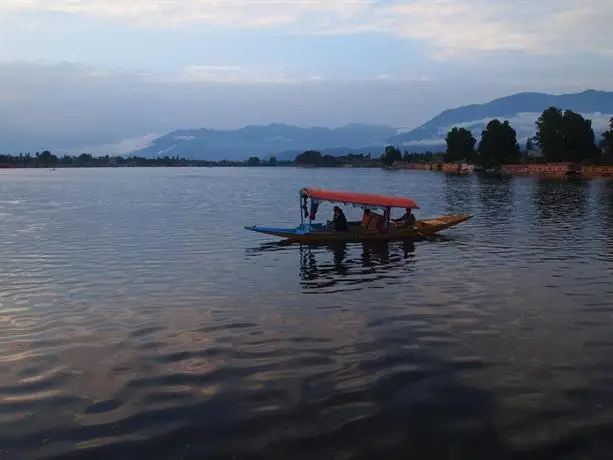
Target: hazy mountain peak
{"points": [[521, 109], [265, 140]]}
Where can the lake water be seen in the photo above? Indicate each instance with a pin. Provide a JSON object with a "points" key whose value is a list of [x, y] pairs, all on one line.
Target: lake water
{"points": [[139, 320]]}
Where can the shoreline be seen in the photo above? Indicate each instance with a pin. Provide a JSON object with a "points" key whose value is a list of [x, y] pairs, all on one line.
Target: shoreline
{"points": [[561, 169], [558, 170]]}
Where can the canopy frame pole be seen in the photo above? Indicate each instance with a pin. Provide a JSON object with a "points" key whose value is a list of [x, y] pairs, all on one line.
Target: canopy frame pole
{"points": [[310, 214], [301, 210], [386, 219]]}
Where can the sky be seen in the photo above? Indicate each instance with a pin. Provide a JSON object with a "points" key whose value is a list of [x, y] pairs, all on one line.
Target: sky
{"points": [[116, 73]]}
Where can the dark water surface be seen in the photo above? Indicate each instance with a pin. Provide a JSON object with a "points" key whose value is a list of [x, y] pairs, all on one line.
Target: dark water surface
{"points": [[138, 320]]}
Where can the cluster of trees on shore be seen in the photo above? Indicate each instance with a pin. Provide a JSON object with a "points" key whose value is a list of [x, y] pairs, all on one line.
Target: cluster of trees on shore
{"points": [[47, 160], [392, 154], [388, 157], [561, 136], [315, 158]]}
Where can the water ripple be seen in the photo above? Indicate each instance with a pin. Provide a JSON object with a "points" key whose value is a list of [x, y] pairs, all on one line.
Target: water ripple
{"points": [[140, 321]]}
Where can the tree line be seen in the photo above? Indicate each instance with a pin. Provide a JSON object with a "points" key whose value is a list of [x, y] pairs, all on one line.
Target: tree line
{"points": [[390, 155], [561, 136], [316, 158], [46, 159]]}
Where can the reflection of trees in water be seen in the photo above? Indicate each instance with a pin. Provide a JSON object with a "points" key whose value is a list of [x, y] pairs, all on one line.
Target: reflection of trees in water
{"points": [[458, 193], [376, 260], [496, 197], [607, 203], [606, 208], [560, 218], [561, 199]]}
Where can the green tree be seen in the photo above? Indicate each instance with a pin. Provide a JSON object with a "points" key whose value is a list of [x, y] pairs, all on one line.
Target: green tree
{"points": [[607, 142], [391, 155], [529, 146], [498, 145], [580, 138], [47, 157], [253, 161], [272, 161], [460, 145], [549, 135], [329, 160], [565, 136], [409, 157], [310, 157], [85, 158]]}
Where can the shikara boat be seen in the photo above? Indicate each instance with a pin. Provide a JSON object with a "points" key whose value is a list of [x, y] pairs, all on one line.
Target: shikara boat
{"points": [[311, 232]]}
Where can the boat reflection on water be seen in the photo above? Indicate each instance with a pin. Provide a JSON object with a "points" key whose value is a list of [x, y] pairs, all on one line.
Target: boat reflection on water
{"points": [[340, 266], [353, 265]]}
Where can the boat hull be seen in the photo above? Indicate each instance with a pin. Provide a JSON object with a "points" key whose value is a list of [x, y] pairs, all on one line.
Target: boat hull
{"points": [[318, 233]]}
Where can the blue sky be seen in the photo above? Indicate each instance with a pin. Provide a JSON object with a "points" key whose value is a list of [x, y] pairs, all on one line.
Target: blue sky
{"points": [[145, 67]]}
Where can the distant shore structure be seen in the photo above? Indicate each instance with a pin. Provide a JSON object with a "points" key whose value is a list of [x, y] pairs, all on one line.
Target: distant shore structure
{"points": [[546, 169]]}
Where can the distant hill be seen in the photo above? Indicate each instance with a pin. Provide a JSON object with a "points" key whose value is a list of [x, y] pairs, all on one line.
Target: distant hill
{"points": [[285, 141], [265, 140], [520, 109]]}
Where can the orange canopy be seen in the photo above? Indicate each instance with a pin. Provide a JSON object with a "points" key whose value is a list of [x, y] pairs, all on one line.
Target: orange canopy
{"points": [[362, 199]]}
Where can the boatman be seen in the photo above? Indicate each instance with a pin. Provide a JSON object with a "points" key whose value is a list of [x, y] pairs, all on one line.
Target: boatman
{"points": [[339, 220], [407, 220]]}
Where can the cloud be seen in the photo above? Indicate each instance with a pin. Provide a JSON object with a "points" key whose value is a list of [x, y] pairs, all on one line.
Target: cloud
{"points": [[219, 13], [452, 27], [119, 148], [233, 74], [67, 106]]}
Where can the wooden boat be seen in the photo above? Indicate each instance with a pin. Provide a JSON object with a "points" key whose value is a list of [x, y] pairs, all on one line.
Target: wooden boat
{"points": [[308, 231]]}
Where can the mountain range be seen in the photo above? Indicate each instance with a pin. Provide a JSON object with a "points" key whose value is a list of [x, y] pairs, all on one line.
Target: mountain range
{"points": [[265, 140], [285, 141], [520, 109]]}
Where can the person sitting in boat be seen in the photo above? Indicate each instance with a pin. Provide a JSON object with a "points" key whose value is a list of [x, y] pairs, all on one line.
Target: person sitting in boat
{"points": [[371, 221], [339, 220], [407, 219]]}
